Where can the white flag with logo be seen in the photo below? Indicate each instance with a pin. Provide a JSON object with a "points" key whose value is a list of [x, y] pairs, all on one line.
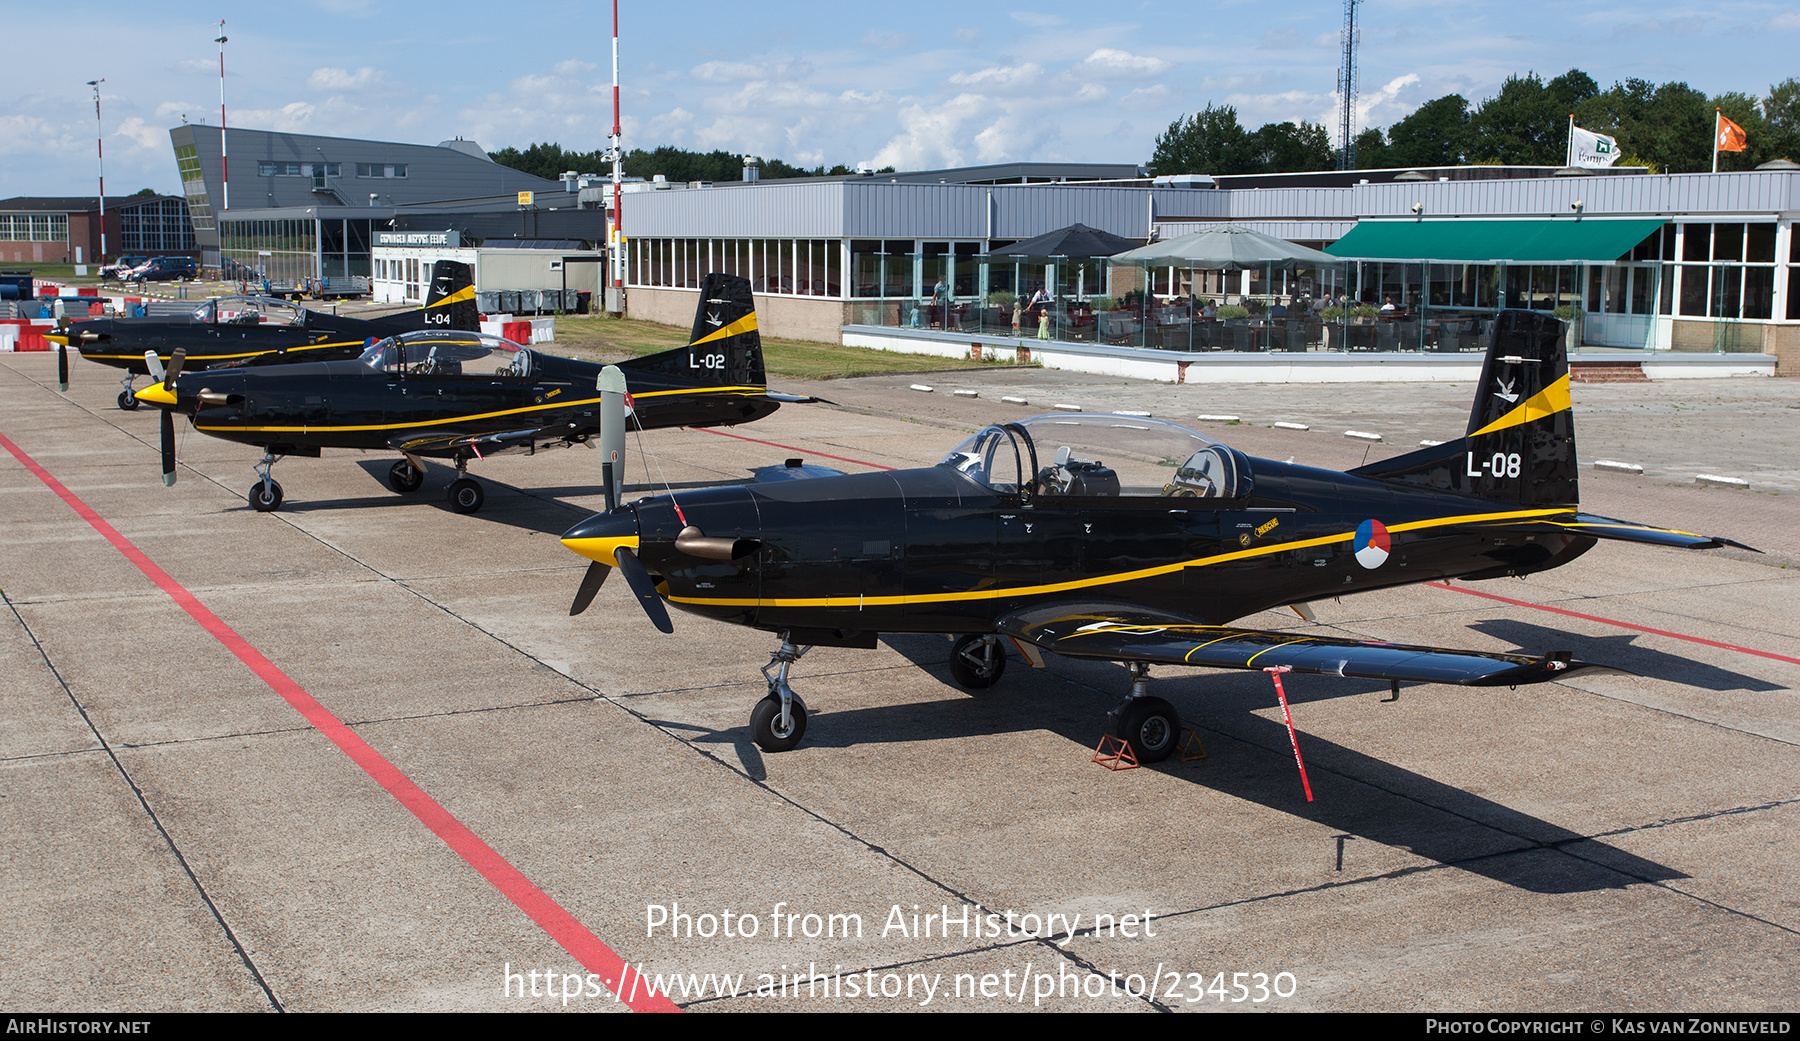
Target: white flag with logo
{"points": [[1587, 148]]}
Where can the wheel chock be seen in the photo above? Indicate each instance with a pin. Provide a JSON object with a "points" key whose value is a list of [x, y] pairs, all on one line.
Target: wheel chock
{"points": [[1190, 747], [1115, 754]]}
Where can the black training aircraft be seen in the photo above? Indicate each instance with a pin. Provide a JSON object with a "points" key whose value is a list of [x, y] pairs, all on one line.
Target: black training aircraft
{"points": [[1128, 539], [463, 395], [257, 330]]}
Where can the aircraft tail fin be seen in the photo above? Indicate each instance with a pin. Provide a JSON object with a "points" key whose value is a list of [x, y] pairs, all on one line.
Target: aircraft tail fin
{"points": [[450, 303], [1520, 444], [724, 349]]}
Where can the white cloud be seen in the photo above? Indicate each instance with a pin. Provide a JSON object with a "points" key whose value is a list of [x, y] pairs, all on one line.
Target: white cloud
{"points": [[294, 116], [999, 77], [931, 138], [142, 134], [741, 71], [1110, 61], [1093, 92], [1145, 97], [1785, 22], [331, 78], [197, 65], [968, 35], [886, 41]]}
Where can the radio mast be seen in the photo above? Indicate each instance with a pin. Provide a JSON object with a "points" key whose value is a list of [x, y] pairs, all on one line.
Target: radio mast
{"points": [[1347, 91]]}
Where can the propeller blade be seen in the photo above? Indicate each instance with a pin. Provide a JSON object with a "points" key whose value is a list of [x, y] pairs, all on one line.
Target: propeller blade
{"points": [[62, 366], [168, 447], [590, 584], [155, 365], [174, 369], [644, 589]]}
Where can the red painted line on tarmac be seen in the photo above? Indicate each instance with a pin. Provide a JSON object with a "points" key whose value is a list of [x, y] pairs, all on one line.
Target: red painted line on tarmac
{"points": [[791, 448], [1622, 625], [570, 934]]}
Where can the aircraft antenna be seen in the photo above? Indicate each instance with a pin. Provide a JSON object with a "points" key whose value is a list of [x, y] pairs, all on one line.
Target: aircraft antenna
{"points": [[661, 477], [1347, 91]]}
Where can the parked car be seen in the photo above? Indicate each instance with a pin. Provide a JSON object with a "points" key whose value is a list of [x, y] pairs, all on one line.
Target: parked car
{"points": [[164, 269], [118, 269]]}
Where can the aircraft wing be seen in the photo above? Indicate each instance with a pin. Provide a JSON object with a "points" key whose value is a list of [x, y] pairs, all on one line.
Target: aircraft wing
{"points": [[443, 443], [1116, 632]]}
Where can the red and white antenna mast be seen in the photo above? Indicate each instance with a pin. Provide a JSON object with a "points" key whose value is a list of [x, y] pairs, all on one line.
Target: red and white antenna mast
{"points": [[100, 154], [224, 152], [618, 158]]}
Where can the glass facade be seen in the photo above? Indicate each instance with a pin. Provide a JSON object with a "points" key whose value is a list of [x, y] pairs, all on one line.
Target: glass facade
{"points": [[34, 227], [782, 267], [193, 185], [155, 227]]}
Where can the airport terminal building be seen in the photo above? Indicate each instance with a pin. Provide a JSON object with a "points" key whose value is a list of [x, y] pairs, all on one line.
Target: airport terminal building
{"points": [[306, 206], [1682, 262]]}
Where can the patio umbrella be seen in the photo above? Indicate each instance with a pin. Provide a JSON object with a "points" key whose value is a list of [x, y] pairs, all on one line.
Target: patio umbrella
{"points": [[1077, 241], [1226, 247]]}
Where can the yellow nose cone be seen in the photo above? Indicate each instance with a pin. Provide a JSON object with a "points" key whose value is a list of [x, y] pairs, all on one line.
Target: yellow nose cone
{"points": [[156, 394], [603, 550]]}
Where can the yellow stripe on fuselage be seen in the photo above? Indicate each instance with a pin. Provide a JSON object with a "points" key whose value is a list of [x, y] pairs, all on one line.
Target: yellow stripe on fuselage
{"points": [[453, 420], [226, 357], [1101, 580]]}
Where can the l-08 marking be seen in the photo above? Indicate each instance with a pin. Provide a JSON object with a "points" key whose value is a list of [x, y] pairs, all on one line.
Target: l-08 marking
{"points": [[1503, 464]]}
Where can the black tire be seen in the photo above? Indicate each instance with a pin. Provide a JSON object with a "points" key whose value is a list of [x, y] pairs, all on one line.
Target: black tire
{"points": [[265, 500], [765, 719], [127, 402], [466, 495], [1151, 727], [977, 662], [404, 477]]}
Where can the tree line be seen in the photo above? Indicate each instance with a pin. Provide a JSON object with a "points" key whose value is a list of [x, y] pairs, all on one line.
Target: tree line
{"points": [[550, 161], [1667, 127]]}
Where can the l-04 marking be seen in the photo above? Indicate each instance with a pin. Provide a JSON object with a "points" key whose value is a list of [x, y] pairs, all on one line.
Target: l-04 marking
{"points": [[1503, 464]]}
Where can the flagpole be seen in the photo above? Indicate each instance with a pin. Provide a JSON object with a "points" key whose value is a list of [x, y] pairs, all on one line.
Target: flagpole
{"points": [[1716, 115], [1570, 151]]}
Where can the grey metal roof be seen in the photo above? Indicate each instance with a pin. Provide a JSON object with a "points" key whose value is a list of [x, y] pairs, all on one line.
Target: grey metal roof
{"points": [[882, 208], [434, 172]]}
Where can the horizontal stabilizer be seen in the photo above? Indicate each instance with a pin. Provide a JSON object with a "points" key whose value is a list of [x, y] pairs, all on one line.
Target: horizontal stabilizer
{"points": [[1626, 531]]}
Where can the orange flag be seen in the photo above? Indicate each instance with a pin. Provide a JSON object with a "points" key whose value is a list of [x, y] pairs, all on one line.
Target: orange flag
{"points": [[1731, 136]]}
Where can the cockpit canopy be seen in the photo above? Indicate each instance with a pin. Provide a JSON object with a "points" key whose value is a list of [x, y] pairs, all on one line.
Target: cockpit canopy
{"points": [[249, 310], [431, 352], [1094, 455]]}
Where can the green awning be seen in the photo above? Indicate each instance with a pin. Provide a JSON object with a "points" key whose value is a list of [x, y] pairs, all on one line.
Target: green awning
{"points": [[1493, 241]]}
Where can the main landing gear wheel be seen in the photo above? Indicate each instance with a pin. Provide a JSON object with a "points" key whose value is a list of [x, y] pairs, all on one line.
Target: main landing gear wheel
{"points": [[976, 661], [1151, 727], [765, 724], [265, 497], [127, 401], [403, 477], [466, 495]]}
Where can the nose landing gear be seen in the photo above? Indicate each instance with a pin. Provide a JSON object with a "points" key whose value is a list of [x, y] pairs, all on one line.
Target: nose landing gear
{"points": [[778, 721]]}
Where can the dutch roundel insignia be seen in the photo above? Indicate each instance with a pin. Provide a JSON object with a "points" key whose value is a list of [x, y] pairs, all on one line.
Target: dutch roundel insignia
{"points": [[1371, 543]]}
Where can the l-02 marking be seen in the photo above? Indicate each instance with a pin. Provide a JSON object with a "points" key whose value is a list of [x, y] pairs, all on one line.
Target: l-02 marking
{"points": [[1503, 464], [706, 361]]}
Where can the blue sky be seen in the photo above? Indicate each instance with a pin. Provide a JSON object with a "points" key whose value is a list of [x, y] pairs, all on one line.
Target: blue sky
{"points": [[931, 83]]}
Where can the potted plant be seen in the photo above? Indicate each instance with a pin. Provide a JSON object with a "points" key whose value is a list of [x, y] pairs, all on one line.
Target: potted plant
{"points": [[1334, 328]]}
